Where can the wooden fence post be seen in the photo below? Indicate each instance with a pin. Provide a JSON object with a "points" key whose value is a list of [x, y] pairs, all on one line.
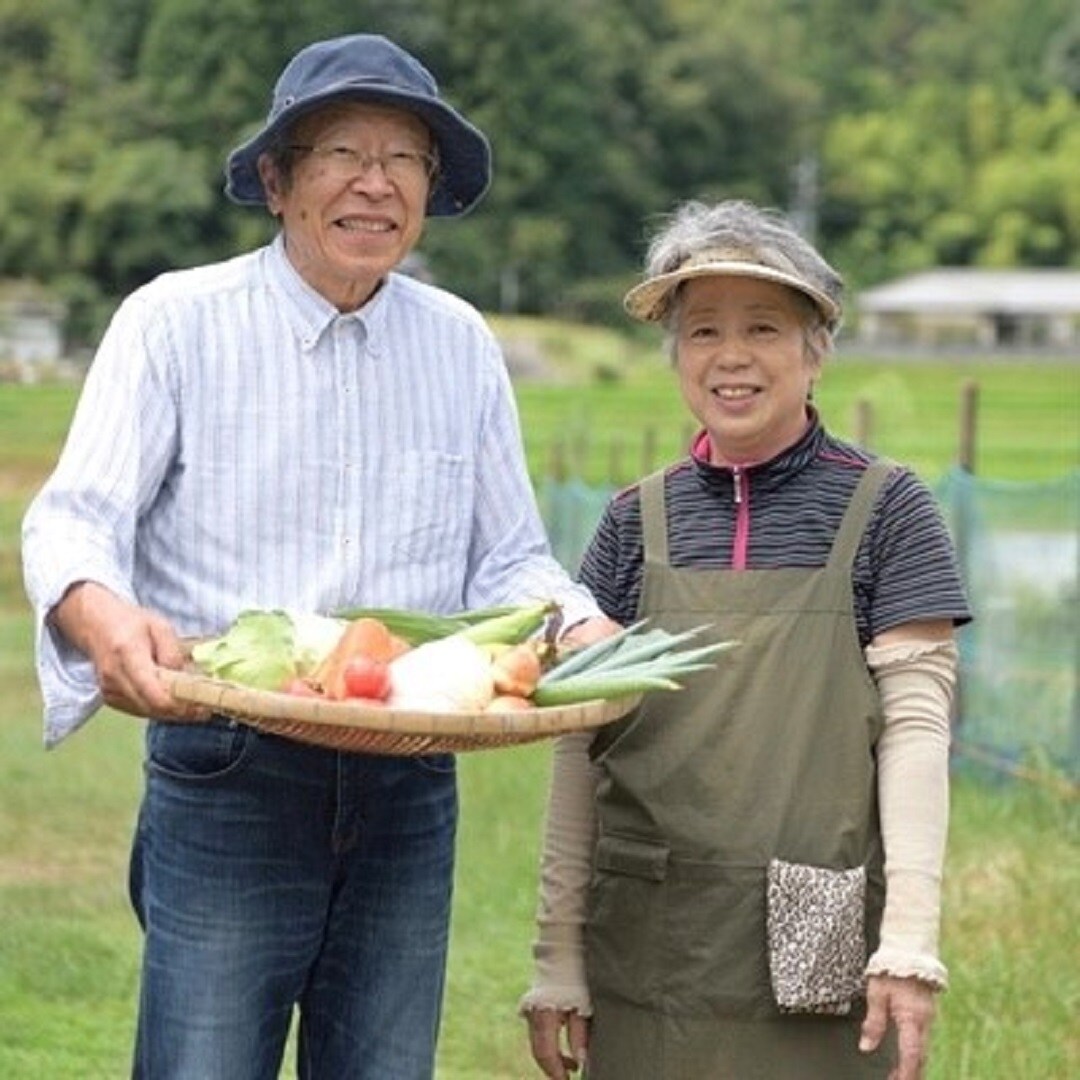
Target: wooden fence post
{"points": [[864, 422], [969, 405], [648, 450], [580, 454], [615, 461], [964, 521], [558, 464]]}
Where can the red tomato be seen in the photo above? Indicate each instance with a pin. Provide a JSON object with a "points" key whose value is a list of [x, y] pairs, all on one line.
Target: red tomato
{"points": [[366, 678]]}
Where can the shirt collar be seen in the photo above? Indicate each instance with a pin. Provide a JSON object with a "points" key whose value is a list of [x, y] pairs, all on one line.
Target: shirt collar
{"points": [[309, 312], [788, 462]]}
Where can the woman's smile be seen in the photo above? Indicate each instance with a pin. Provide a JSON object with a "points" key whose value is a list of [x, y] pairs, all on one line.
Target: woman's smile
{"points": [[743, 365]]}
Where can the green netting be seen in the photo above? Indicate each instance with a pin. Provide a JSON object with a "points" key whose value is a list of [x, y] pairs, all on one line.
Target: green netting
{"points": [[1019, 545], [571, 510]]}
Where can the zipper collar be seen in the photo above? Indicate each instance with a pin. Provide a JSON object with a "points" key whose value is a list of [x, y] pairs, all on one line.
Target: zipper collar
{"points": [[763, 475]]}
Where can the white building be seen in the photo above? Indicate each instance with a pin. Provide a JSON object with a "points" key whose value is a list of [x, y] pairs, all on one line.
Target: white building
{"points": [[31, 324], [1007, 309]]}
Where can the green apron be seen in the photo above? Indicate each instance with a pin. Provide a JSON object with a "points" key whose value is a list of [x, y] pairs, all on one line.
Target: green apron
{"points": [[771, 755]]}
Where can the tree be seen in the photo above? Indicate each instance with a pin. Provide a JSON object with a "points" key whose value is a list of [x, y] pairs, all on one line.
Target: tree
{"points": [[978, 176], [920, 131]]}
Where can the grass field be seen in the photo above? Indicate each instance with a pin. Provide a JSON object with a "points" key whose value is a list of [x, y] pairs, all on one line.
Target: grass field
{"points": [[1027, 414], [68, 944]]}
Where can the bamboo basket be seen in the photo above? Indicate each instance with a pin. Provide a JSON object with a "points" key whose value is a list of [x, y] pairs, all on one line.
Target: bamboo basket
{"points": [[364, 728]]}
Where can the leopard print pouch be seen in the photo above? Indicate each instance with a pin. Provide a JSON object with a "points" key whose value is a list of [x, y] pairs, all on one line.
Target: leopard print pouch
{"points": [[815, 923]]}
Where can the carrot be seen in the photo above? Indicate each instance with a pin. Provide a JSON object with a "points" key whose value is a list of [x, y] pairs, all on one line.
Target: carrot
{"points": [[365, 637]]}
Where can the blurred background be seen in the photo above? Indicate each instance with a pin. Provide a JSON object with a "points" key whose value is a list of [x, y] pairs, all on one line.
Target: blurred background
{"points": [[930, 148], [903, 135]]}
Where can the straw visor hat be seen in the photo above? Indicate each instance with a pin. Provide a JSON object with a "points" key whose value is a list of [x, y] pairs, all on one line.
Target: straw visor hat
{"points": [[368, 67], [651, 300]]}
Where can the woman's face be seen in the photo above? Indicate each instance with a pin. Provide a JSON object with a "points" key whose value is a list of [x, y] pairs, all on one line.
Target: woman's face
{"points": [[744, 367], [344, 232]]}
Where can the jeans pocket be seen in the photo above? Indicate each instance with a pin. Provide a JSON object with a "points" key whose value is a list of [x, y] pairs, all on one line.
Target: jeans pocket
{"points": [[199, 752], [435, 763], [815, 922]]}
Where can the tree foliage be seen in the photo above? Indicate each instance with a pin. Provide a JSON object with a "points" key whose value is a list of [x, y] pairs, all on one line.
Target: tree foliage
{"points": [[903, 133]]}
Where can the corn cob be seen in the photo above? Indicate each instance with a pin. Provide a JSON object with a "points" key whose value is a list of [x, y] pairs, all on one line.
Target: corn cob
{"points": [[509, 624], [417, 627], [511, 627]]}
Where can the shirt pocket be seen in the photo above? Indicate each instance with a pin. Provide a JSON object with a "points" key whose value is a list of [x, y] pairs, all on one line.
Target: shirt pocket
{"points": [[426, 513]]}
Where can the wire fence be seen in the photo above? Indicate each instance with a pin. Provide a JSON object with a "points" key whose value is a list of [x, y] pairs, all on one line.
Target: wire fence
{"points": [[1018, 712]]}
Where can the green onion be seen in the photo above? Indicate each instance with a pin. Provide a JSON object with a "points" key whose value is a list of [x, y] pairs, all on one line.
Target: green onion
{"points": [[632, 661], [591, 654]]}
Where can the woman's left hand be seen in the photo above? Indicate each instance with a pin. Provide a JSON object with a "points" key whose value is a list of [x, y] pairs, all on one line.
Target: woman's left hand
{"points": [[910, 1004], [589, 631]]}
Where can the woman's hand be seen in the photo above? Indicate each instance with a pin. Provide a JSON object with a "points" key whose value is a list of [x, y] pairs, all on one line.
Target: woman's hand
{"points": [[548, 1028], [910, 1004], [589, 631]]}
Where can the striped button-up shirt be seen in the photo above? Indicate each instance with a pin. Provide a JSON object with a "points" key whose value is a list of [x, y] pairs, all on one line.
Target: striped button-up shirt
{"points": [[240, 443]]}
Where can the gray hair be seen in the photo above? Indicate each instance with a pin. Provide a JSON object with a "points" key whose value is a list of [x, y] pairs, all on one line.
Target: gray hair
{"points": [[765, 236]]}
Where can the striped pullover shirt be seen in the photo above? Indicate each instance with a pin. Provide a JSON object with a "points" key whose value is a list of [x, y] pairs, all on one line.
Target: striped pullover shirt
{"points": [[785, 513]]}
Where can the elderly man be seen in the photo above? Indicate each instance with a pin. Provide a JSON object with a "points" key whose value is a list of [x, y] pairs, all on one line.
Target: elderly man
{"points": [[299, 427]]}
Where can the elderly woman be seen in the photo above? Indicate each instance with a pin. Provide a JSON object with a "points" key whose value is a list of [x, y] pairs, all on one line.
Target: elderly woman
{"points": [[743, 879]]}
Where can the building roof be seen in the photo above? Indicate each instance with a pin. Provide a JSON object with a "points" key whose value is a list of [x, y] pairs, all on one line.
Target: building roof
{"points": [[966, 291]]}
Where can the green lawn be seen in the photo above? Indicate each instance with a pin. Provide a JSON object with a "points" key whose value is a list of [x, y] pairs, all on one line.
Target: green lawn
{"points": [[69, 946], [1027, 417], [68, 954]]}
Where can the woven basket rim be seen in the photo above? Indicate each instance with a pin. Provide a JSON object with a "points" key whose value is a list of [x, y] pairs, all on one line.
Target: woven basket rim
{"points": [[338, 723]]}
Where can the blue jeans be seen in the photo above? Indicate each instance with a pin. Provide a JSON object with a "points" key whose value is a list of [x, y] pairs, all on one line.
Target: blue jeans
{"points": [[268, 875]]}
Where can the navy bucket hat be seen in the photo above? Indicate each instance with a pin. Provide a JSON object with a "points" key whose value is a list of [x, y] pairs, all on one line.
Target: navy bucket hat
{"points": [[368, 67]]}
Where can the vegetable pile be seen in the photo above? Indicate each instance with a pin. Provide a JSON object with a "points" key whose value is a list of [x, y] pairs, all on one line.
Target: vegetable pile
{"points": [[495, 660]]}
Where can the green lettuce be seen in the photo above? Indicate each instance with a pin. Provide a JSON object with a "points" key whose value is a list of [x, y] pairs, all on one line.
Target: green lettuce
{"points": [[257, 651]]}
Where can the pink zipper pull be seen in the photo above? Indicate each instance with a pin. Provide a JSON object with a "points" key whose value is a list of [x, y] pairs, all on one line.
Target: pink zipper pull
{"points": [[741, 545]]}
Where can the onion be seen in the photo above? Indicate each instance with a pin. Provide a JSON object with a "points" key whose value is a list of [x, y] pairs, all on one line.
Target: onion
{"points": [[452, 674]]}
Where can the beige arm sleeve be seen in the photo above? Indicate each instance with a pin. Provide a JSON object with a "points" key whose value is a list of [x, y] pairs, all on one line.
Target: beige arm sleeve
{"points": [[565, 869], [916, 681]]}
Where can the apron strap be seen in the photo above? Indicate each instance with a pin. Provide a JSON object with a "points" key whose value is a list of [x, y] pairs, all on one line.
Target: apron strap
{"points": [[857, 515], [654, 518]]}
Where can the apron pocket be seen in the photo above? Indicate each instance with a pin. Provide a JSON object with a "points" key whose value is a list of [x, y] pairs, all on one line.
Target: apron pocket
{"points": [[815, 924], [714, 941], [632, 857], [624, 921]]}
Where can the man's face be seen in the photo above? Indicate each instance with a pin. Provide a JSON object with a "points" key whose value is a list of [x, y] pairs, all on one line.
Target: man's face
{"points": [[348, 218]]}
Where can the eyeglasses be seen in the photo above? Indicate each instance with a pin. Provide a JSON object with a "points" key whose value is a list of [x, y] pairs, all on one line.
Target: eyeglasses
{"points": [[398, 166]]}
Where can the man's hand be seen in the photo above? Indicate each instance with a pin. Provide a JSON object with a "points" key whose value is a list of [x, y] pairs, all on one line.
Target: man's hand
{"points": [[126, 644], [908, 1003], [547, 1029]]}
